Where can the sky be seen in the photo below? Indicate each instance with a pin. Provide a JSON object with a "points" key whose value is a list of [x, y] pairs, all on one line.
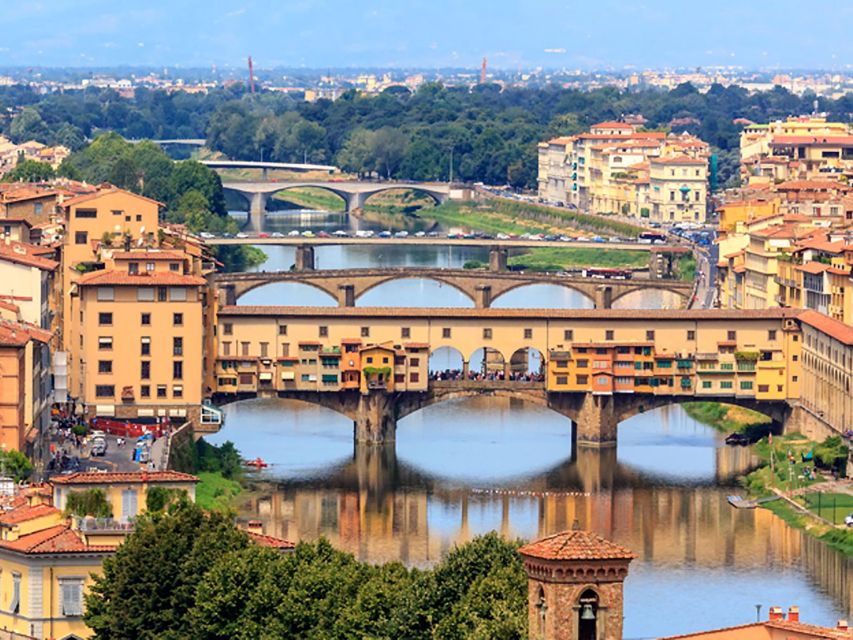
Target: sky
{"points": [[586, 34]]}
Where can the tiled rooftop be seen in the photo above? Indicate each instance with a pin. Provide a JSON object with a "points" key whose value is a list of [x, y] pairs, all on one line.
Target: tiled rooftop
{"points": [[576, 545], [117, 477]]}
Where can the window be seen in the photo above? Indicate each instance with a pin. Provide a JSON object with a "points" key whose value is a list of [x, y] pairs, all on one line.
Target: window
{"points": [[177, 294], [691, 335], [414, 362], [746, 385], [771, 334], [244, 348], [38, 207], [174, 266], [414, 376], [105, 319], [324, 332], [161, 294], [731, 335], [796, 358], [608, 334], [725, 384], [282, 329], [71, 595], [145, 294], [487, 334], [138, 217], [178, 391], [562, 380], [405, 332], [145, 391], [105, 343], [161, 390], [226, 348], [133, 268], [178, 346], [118, 212], [81, 237], [583, 379], [145, 369], [86, 213], [365, 332], [105, 391], [763, 388], [528, 334], [650, 334], [178, 319], [15, 603], [582, 364], [706, 384], [265, 349], [568, 334], [445, 332], [145, 319], [105, 366], [106, 294]]}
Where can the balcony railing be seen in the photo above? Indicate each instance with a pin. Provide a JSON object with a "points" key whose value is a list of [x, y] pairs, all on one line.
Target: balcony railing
{"points": [[103, 525]]}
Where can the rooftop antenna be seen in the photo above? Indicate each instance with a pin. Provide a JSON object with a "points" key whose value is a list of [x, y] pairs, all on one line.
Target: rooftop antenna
{"points": [[483, 72], [251, 77]]}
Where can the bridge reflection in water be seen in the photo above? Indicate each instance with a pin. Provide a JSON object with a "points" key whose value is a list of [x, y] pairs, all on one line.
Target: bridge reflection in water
{"points": [[469, 467]]}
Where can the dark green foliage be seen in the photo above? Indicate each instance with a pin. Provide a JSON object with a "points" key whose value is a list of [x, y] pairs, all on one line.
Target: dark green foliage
{"points": [[158, 498], [832, 453], [91, 502], [493, 133], [224, 459], [30, 171], [15, 464]]}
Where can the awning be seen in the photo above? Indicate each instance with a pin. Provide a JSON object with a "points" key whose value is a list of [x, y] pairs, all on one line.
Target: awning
{"points": [[265, 376], [288, 375]]}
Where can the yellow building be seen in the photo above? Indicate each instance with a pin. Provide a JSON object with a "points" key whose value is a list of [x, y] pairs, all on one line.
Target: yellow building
{"points": [[678, 188]]}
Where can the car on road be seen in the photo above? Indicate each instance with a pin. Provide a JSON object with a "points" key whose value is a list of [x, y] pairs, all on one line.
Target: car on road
{"points": [[276, 234], [242, 235], [738, 439], [340, 233], [206, 235], [420, 234], [308, 234], [294, 233], [384, 234], [401, 234], [263, 235], [99, 447], [323, 234], [433, 234]]}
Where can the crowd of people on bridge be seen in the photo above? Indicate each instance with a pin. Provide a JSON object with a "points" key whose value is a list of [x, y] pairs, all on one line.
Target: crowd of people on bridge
{"points": [[498, 375]]}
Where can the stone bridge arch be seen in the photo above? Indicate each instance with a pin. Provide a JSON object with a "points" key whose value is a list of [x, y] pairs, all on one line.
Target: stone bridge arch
{"points": [[465, 288], [436, 196], [242, 288], [501, 288], [623, 290]]}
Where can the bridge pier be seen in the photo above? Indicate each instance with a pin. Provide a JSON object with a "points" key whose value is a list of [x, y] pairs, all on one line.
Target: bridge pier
{"points": [[595, 421], [661, 265], [604, 297], [230, 291], [483, 299], [353, 201], [375, 418], [497, 259], [596, 467], [346, 295], [304, 258], [257, 211]]}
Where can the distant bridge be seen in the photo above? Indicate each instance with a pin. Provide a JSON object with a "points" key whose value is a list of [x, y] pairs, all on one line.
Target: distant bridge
{"points": [[188, 142], [354, 193], [264, 166], [482, 287]]}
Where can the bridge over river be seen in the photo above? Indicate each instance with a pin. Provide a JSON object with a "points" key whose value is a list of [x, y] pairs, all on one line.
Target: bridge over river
{"points": [[482, 287]]}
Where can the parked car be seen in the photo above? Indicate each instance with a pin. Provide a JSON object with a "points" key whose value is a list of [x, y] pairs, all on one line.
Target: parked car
{"points": [[276, 234], [849, 520], [294, 233], [99, 447]]}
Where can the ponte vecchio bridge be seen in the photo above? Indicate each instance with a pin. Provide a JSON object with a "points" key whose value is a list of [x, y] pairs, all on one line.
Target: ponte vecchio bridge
{"points": [[597, 367], [482, 287]]}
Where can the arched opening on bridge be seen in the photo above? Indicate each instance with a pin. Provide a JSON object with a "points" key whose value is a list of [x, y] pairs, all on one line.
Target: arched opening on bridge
{"points": [[308, 198], [446, 363], [686, 442], [287, 294], [527, 363], [405, 201], [542, 296], [487, 363], [650, 299], [414, 292]]}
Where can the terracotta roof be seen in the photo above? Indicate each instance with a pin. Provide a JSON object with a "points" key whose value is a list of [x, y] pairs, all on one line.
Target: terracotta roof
{"points": [[831, 327], [678, 160], [270, 541], [416, 345], [148, 255], [739, 268], [17, 334], [8, 306], [147, 279], [778, 141], [73, 202], [576, 545], [784, 625], [812, 185], [813, 268], [26, 254], [22, 514], [496, 313], [57, 539], [613, 124], [119, 477]]}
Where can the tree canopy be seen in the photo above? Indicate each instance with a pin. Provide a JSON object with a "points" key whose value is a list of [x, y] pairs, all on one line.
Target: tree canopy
{"points": [[183, 573]]}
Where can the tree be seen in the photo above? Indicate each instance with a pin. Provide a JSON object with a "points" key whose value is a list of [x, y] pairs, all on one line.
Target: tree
{"points": [[30, 171], [356, 154], [389, 148], [191, 175], [148, 587], [16, 464], [28, 125], [70, 137], [91, 502]]}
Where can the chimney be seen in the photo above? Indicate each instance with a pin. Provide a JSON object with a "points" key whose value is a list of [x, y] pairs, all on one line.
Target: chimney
{"points": [[842, 626], [255, 526], [776, 614], [793, 614]]}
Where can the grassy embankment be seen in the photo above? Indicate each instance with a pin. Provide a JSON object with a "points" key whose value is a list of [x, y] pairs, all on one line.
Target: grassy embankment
{"points": [[788, 472], [309, 198], [215, 492], [219, 470]]}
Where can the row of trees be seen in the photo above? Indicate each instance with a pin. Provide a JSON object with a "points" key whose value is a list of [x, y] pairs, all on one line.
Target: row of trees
{"points": [[184, 573], [492, 134]]}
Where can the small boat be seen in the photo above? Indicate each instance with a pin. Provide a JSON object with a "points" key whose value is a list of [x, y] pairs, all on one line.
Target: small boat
{"points": [[257, 463], [738, 439]]}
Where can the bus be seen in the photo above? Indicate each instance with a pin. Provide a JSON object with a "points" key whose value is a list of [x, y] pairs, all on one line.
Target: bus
{"points": [[607, 273]]}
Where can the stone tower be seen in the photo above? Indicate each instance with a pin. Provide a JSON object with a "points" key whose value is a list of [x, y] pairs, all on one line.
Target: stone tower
{"points": [[574, 586]]}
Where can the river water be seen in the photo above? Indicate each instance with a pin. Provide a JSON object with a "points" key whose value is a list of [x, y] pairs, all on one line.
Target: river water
{"points": [[470, 466]]}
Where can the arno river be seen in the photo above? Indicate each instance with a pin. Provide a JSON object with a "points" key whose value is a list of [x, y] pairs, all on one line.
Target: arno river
{"points": [[470, 466]]}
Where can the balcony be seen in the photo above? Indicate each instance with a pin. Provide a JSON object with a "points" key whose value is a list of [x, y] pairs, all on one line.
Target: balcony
{"points": [[102, 525]]}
